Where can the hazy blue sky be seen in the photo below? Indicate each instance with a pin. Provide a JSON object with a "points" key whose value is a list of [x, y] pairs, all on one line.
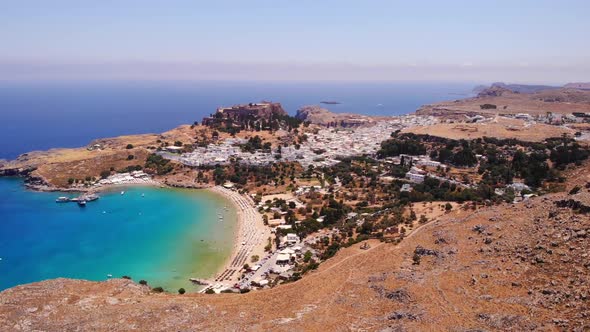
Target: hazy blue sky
{"points": [[526, 40]]}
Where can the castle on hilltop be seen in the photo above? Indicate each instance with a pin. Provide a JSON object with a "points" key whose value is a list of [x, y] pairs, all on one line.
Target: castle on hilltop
{"points": [[251, 117], [246, 112]]}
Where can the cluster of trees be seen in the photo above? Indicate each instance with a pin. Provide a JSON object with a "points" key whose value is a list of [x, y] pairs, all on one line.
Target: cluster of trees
{"points": [[158, 164], [567, 151], [504, 160], [435, 190], [260, 175], [488, 107], [462, 156], [333, 211], [255, 143], [403, 145]]}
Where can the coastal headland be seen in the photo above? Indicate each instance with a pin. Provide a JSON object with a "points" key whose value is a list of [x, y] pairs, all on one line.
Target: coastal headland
{"points": [[469, 214]]}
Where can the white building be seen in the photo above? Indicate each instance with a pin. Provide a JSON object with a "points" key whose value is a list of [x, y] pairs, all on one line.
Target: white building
{"points": [[292, 238], [415, 177]]}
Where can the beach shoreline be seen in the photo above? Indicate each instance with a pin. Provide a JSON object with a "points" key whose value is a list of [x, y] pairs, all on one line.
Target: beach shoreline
{"points": [[250, 237]]}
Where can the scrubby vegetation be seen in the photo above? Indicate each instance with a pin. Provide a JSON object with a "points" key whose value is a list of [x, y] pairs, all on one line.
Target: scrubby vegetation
{"points": [[158, 164]]}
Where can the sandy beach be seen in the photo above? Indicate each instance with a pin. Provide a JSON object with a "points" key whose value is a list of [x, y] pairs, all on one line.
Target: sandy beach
{"points": [[250, 238]]}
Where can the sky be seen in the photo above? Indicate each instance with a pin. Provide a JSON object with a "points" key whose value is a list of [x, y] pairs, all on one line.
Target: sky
{"points": [[536, 41]]}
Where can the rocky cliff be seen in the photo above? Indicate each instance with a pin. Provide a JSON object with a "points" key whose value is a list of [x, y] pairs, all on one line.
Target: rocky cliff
{"points": [[320, 116], [582, 86]]}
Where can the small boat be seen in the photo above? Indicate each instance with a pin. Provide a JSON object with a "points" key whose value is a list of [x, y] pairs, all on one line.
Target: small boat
{"points": [[82, 203], [109, 275], [62, 199], [122, 193], [91, 197], [142, 195]]}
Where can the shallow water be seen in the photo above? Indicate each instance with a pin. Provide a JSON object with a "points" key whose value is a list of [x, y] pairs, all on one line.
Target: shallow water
{"points": [[164, 237]]}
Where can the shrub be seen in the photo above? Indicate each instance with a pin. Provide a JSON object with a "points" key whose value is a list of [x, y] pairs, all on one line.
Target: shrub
{"points": [[159, 164], [105, 174], [575, 190], [143, 282], [158, 289], [129, 146], [416, 259], [181, 291], [130, 157], [307, 256], [448, 207], [126, 277], [209, 291]]}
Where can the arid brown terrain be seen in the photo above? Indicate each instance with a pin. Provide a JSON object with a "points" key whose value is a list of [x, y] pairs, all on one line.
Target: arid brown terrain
{"points": [[52, 169], [500, 128], [559, 101], [323, 117], [507, 267]]}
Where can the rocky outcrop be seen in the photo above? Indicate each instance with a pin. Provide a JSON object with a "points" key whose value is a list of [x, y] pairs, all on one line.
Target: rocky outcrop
{"points": [[494, 91], [580, 86], [320, 116], [24, 172], [244, 113]]}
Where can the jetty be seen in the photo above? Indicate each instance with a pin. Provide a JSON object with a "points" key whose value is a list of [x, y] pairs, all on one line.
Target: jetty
{"points": [[198, 281], [81, 200]]}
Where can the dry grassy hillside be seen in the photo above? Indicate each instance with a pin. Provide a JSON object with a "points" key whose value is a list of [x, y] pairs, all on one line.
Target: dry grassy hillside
{"points": [[509, 267], [56, 166], [563, 101], [500, 128]]}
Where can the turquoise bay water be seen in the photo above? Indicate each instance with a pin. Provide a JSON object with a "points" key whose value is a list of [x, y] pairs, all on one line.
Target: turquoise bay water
{"points": [[164, 237]]}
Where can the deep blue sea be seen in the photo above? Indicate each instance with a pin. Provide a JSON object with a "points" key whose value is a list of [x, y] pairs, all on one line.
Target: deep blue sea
{"points": [[163, 237], [168, 235], [43, 115]]}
